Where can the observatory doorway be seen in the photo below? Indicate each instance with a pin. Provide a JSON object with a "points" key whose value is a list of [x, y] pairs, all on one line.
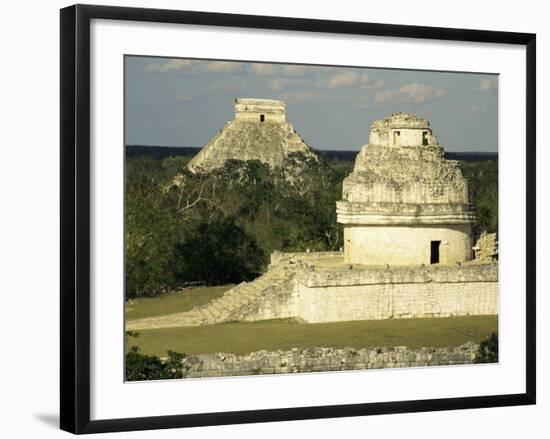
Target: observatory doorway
{"points": [[434, 252]]}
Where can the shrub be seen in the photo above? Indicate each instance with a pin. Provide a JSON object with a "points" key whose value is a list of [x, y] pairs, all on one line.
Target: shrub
{"points": [[141, 367], [488, 350]]}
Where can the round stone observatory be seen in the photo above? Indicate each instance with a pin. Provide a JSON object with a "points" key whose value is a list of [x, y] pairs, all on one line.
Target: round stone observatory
{"points": [[404, 204]]}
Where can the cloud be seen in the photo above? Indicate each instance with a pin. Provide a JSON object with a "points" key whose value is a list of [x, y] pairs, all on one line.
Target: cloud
{"points": [[322, 97], [284, 83], [346, 79], [194, 66], [349, 79], [262, 69], [413, 93], [487, 85], [223, 66], [296, 71], [379, 83], [171, 64], [299, 97], [227, 87]]}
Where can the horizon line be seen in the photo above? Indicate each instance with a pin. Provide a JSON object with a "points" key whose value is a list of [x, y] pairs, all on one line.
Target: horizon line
{"points": [[316, 149]]}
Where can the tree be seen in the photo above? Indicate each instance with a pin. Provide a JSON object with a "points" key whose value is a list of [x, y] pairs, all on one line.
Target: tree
{"points": [[141, 367], [151, 228], [483, 185], [219, 252], [488, 350]]}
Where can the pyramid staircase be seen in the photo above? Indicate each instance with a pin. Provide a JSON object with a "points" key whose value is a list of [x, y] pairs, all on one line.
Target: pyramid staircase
{"points": [[233, 305]]}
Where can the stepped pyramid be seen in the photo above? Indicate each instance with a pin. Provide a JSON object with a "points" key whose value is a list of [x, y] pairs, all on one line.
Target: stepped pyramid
{"points": [[258, 132]]}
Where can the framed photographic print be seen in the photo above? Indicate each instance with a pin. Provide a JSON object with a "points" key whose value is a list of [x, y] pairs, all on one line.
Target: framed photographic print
{"points": [[304, 218]]}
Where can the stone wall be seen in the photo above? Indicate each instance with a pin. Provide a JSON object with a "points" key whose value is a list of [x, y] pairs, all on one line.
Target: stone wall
{"points": [[343, 294], [325, 359], [379, 244], [343, 275], [278, 256], [389, 301]]}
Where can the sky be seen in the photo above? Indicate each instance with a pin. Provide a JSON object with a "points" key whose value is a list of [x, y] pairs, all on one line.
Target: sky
{"points": [[185, 102]]}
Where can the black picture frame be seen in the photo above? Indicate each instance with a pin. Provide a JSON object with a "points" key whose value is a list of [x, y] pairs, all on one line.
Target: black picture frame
{"points": [[75, 217]]}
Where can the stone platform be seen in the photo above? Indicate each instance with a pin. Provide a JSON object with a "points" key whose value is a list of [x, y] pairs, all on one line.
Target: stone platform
{"points": [[321, 287]]}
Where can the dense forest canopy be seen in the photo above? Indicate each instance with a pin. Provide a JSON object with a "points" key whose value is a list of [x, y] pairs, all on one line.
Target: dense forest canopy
{"points": [[183, 229]]}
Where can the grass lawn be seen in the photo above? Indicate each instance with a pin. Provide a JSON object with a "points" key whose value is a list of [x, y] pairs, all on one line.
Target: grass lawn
{"points": [[241, 337], [171, 303]]}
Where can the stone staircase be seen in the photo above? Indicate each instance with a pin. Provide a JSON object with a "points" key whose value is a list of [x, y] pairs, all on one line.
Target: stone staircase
{"points": [[233, 305]]}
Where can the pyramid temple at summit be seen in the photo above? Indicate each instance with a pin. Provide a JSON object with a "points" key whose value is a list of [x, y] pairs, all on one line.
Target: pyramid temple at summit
{"points": [[258, 132]]}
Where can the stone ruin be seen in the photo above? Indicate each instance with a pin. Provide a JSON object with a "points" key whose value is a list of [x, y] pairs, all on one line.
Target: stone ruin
{"points": [[258, 132], [407, 245], [486, 249], [404, 203], [324, 360]]}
